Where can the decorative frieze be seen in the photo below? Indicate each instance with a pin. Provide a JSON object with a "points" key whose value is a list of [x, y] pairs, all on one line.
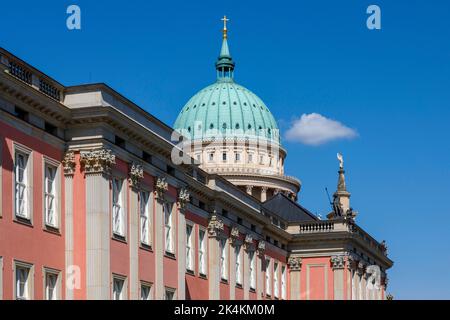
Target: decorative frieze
{"points": [[69, 163], [295, 263], [97, 161], [215, 226], [248, 243], [337, 262], [136, 174], [183, 198], [161, 186]]}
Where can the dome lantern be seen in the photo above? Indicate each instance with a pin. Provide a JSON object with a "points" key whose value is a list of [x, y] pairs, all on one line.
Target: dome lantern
{"points": [[225, 63]]}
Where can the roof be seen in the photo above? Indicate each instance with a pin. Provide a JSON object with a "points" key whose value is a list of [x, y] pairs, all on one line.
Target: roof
{"points": [[288, 209]]}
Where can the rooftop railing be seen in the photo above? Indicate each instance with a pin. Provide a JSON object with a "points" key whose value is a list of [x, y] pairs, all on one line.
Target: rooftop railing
{"points": [[34, 79], [327, 226]]}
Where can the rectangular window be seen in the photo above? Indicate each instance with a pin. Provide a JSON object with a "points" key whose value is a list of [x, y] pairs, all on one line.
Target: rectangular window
{"points": [[283, 282], [211, 157], [252, 269], [51, 286], [21, 185], [250, 157], [169, 294], [237, 157], [223, 259], [238, 264], [268, 278], [117, 207], [118, 289], [189, 249], [202, 258], [275, 280], [51, 216], [144, 214], [168, 225], [146, 291], [224, 156], [23, 282]]}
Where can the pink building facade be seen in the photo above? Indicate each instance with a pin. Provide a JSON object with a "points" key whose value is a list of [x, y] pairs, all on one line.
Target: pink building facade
{"points": [[92, 207]]}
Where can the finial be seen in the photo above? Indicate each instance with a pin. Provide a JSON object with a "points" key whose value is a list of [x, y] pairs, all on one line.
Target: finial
{"points": [[225, 20]]}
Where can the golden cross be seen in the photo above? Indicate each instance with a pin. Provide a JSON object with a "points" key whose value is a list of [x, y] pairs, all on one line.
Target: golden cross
{"points": [[224, 19]]}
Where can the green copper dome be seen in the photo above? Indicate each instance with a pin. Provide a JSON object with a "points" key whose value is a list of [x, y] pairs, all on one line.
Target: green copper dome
{"points": [[227, 108]]}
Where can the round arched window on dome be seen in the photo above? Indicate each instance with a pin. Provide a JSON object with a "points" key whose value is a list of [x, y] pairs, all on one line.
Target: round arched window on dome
{"points": [[211, 126], [213, 103], [189, 129], [245, 103], [249, 126], [195, 106], [237, 126], [224, 102], [234, 102], [224, 126]]}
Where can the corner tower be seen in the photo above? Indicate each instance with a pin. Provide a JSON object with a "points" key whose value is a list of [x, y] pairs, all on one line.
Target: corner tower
{"points": [[234, 134]]}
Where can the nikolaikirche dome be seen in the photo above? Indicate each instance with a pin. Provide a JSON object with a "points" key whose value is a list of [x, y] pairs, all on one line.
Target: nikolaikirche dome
{"points": [[236, 134]]}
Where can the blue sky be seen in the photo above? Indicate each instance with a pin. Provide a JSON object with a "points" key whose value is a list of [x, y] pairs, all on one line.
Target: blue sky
{"points": [[390, 85]]}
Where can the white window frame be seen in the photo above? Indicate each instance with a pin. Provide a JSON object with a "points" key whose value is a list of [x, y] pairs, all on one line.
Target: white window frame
{"points": [[55, 195], [118, 207], [238, 262], [57, 285], [170, 291], [283, 282], [252, 270], [202, 252], [117, 279], [268, 277], [29, 281], [26, 182], [223, 259], [145, 217], [190, 249], [169, 228], [250, 157], [276, 290], [147, 285], [237, 157]]}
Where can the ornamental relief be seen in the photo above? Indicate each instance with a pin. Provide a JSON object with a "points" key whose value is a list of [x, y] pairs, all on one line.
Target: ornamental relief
{"points": [[97, 161]]}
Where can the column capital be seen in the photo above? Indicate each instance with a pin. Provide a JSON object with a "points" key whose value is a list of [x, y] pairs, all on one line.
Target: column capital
{"points": [[135, 175], [98, 161], [161, 186], [69, 163], [295, 263], [248, 243], [261, 247], [183, 198], [215, 226], [337, 262], [234, 236]]}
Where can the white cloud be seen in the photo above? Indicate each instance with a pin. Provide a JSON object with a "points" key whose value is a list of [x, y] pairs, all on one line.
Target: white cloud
{"points": [[315, 129]]}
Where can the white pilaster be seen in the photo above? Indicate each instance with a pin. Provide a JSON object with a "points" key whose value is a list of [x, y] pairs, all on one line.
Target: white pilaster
{"points": [[134, 244], [98, 273], [159, 249], [182, 254]]}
